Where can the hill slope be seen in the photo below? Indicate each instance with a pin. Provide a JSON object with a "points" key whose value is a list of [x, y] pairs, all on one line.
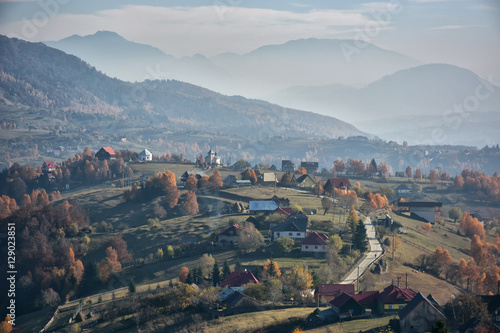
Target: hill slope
{"points": [[35, 75]]}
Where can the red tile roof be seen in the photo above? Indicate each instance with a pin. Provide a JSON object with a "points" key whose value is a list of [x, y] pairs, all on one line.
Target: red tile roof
{"points": [[286, 211], [366, 297], [315, 239], [340, 300], [239, 279], [109, 150], [50, 164], [334, 289], [393, 294]]}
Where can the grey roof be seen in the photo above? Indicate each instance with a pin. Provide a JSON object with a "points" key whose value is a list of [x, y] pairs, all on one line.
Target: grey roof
{"points": [[295, 222], [145, 152], [301, 178], [419, 297], [267, 205]]}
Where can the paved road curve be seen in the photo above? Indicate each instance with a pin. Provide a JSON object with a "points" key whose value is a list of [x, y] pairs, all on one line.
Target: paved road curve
{"points": [[375, 253]]}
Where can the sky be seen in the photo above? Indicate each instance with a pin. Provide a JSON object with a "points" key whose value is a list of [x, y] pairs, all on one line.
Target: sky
{"points": [[465, 33]]}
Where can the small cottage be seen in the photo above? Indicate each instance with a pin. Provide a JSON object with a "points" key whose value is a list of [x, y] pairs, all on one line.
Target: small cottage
{"points": [[315, 242], [145, 156], [419, 315], [48, 166], [105, 153]]}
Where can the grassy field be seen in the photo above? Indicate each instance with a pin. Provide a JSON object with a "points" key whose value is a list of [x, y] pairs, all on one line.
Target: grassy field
{"points": [[353, 326]]}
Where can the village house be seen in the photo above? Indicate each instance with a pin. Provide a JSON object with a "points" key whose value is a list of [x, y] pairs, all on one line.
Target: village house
{"points": [[268, 178], [238, 280], [294, 227], [311, 167], [287, 166], [145, 156], [48, 166], [304, 181], [105, 153], [393, 299], [262, 206], [328, 292], [237, 301], [419, 315], [403, 190], [229, 236], [339, 183], [315, 242], [345, 306], [198, 175], [422, 210]]}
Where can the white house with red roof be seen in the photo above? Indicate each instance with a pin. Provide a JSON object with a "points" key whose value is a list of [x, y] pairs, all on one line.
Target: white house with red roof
{"points": [[237, 280], [315, 242], [48, 166]]}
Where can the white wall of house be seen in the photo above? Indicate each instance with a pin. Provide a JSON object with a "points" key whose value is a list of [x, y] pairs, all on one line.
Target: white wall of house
{"points": [[313, 248], [289, 234]]}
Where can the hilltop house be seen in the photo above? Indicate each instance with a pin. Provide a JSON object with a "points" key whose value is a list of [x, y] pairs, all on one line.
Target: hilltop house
{"points": [[419, 315], [311, 167], [287, 166], [262, 206], [105, 153], [304, 181], [268, 178], [145, 155], [48, 166], [423, 210], [315, 242], [339, 183], [237, 280], [294, 227], [330, 291]]}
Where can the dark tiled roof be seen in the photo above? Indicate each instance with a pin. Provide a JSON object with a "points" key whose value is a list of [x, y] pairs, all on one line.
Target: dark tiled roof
{"points": [[239, 279], [340, 300], [366, 298], [315, 239]]}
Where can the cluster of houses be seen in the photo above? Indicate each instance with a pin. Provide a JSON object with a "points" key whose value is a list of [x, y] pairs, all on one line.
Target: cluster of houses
{"points": [[294, 226], [417, 313]]}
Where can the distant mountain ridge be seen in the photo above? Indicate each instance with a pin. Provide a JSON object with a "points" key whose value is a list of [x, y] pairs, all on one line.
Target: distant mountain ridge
{"points": [[394, 106], [35, 75], [255, 74]]}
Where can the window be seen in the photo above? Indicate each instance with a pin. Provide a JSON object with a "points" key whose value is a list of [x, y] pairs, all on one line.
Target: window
{"points": [[290, 234], [298, 234], [307, 246], [316, 247]]}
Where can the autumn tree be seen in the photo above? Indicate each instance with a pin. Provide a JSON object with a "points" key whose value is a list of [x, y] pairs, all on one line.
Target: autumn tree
{"points": [[250, 175], [6, 326], [191, 182], [50, 298], [339, 166], [109, 265], [383, 169], [458, 182], [301, 171], [183, 274], [190, 204], [418, 175], [120, 246], [299, 278], [408, 171], [172, 193], [270, 269], [216, 180], [433, 177], [470, 226], [207, 263]]}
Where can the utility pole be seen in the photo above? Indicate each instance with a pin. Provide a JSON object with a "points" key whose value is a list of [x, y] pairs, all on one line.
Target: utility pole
{"points": [[406, 281], [358, 281], [399, 277]]}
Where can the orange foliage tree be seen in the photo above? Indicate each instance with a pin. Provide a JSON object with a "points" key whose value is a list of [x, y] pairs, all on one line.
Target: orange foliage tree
{"points": [[190, 204], [191, 182], [471, 226], [109, 265], [318, 188], [183, 274], [216, 180], [271, 269]]}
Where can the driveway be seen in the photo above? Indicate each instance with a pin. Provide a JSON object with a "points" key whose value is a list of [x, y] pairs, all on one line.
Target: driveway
{"points": [[374, 253]]}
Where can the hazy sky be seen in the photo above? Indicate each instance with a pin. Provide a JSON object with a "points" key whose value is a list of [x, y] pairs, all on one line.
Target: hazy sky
{"points": [[461, 32]]}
